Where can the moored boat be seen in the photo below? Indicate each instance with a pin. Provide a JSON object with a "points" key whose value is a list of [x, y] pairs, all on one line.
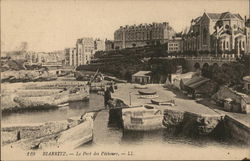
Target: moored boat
{"points": [[138, 86], [147, 92], [78, 135], [163, 102], [63, 105], [149, 96]]}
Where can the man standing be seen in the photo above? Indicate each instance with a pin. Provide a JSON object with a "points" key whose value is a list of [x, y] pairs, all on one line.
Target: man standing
{"points": [[107, 96]]}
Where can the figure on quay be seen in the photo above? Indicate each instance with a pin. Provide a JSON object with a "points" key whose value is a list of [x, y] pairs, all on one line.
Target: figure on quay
{"points": [[107, 95]]}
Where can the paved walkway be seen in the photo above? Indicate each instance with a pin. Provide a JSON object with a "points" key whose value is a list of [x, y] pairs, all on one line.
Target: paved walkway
{"points": [[182, 102]]}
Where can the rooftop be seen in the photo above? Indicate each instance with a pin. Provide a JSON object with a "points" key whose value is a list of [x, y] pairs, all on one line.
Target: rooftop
{"points": [[195, 82], [224, 15]]}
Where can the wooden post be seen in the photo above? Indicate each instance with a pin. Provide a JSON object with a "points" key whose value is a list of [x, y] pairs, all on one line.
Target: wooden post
{"points": [[130, 98]]}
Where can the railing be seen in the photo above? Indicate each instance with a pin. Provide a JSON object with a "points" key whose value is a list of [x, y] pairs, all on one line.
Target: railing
{"points": [[52, 64], [205, 59]]}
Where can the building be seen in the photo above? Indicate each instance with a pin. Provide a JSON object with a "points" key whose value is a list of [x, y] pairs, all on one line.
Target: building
{"points": [[233, 101], [70, 57], [31, 57], [142, 77], [99, 45], [143, 34], [84, 50], [245, 104], [196, 87], [175, 79], [247, 24], [109, 45], [246, 80], [216, 33], [41, 57], [175, 45], [17, 55]]}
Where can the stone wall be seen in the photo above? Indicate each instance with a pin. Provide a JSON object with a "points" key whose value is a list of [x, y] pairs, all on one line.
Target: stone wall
{"points": [[237, 130], [190, 124]]}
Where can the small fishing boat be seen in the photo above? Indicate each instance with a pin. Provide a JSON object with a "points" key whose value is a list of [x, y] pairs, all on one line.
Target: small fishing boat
{"points": [[78, 135], [63, 105], [149, 96], [163, 102], [138, 86], [147, 92]]}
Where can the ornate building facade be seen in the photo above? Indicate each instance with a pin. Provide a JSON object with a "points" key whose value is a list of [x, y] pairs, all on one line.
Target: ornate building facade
{"points": [[143, 34], [216, 33], [247, 36]]}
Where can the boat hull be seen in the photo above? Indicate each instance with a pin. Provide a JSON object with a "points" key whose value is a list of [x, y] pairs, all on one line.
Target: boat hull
{"points": [[78, 135], [149, 96], [141, 92], [158, 102], [140, 87]]}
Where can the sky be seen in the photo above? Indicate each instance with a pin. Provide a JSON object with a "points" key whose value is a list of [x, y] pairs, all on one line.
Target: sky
{"points": [[48, 25]]}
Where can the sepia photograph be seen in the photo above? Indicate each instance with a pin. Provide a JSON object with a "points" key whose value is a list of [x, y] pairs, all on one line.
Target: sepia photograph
{"points": [[125, 80]]}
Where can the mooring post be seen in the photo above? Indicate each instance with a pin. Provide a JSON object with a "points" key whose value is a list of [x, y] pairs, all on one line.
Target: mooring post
{"points": [[130, 98]]}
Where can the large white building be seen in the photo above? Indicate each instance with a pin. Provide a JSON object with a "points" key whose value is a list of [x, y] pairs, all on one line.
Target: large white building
{"points": [[143, 34], [99, 45], [70, 57], [84, 50]]}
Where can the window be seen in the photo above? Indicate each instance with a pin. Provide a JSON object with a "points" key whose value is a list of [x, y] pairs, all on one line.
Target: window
{"points": [[205, 36], [227, 44]]}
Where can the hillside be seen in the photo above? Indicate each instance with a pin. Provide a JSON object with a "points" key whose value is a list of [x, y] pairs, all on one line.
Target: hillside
{"points": [[123, 63]]}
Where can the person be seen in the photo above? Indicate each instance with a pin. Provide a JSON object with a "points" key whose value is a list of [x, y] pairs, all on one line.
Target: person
{"points": [[107, 96], [18, 135]]}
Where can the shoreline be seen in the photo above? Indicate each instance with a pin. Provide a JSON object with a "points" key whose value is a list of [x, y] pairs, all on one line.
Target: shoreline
{"points": [[33, 96]]}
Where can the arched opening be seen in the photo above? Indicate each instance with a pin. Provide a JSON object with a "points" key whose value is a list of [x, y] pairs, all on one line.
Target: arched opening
{"points": [[224, 67], [205, 70], [214, 70], [197, 66], [215, 65]]}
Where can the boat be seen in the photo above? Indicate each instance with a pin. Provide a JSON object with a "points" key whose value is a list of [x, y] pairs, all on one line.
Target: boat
{"points": [[78, 135], [63, 105], [142, 119], [69, 134], [149, 96], [138, 86], [147, 92], [163, 102]]}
